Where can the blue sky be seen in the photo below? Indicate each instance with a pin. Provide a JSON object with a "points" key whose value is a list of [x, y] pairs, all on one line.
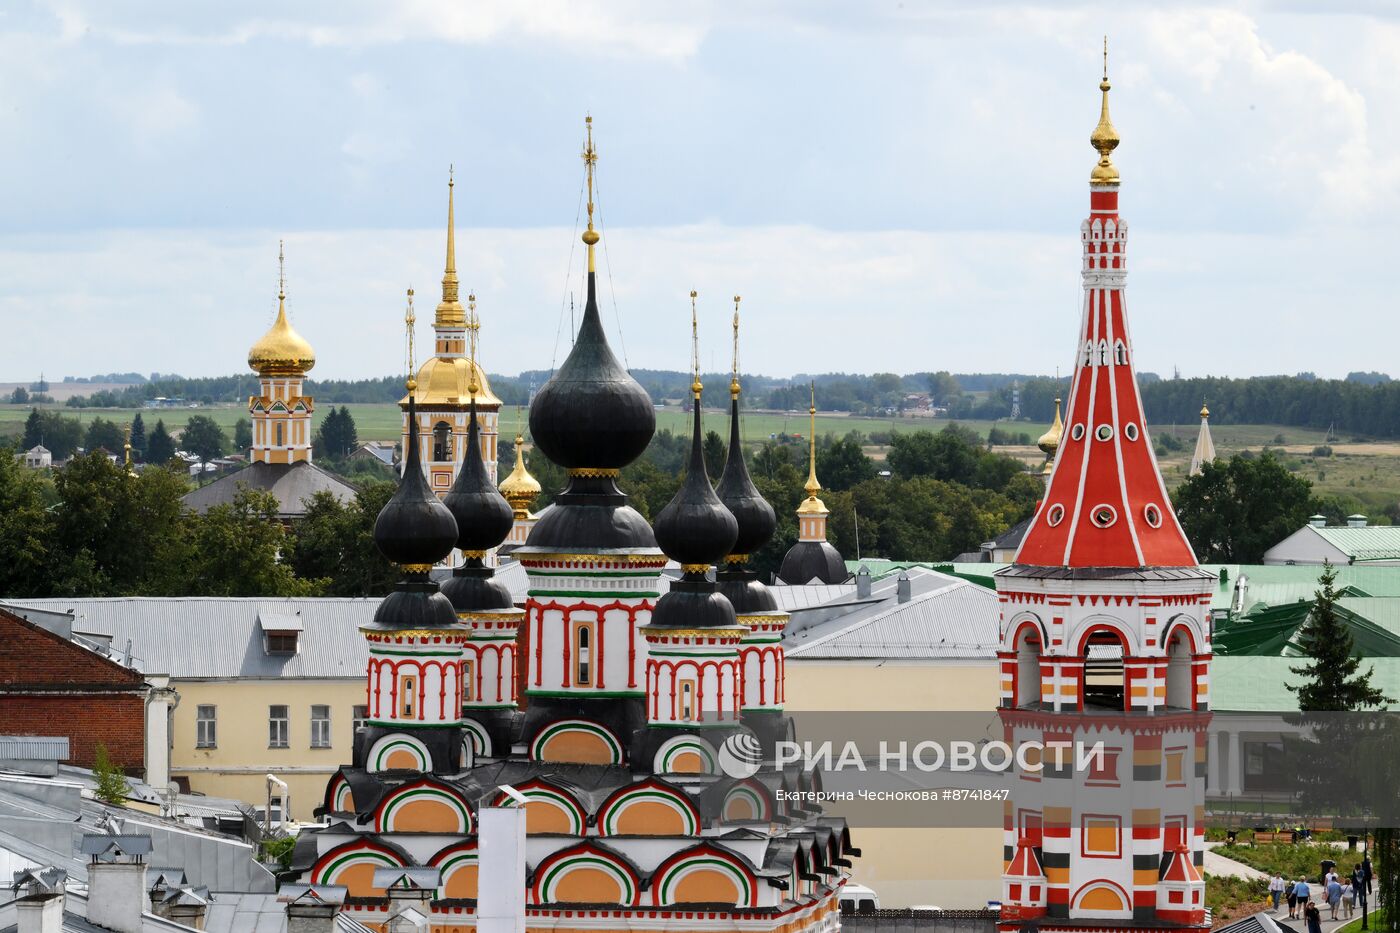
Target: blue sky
{"points": [[891, 186]]}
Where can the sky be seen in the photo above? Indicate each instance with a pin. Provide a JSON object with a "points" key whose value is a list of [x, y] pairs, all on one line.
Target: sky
{"points": [[891, 186]]}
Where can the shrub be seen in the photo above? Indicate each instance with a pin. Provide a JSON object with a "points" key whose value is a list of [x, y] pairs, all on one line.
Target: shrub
{"points": [[1322, 450]]}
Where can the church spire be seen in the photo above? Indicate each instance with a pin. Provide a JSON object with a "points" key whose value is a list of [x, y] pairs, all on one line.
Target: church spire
{"points": [[449, 310], [1104, 139], [813, 486], [590, 159], [1205, 445]]}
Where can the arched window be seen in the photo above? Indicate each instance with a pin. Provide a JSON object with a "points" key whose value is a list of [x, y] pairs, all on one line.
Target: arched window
{"points": [[1120, 353], [583, 656], [442, 441], [1028, 649], [279, 434], [1103, 671], [1180, 692]]}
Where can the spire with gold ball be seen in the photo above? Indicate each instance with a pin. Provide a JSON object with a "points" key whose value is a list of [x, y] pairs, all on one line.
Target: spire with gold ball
{"points": [[812, 558], [280, 412], [1105, 137]]}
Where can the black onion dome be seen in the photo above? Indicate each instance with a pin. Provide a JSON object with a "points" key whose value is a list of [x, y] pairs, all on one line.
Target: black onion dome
{"points": [[414, 527], [592, 413], [693, 604], [806, 561], [738, 493], [483, 515], [695, 527], [745, 592], [476, 589]]}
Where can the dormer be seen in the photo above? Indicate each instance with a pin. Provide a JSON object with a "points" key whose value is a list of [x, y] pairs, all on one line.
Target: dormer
{"points": [[281, 632]]}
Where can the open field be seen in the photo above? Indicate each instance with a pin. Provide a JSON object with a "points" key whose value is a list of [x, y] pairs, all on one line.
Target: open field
{"points": [[1370, 472]]}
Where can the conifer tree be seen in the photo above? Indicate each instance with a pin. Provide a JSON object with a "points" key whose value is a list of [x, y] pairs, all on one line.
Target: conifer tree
{"points": [[138, 434], [112, 785], [160, 448], [1334, 683]]}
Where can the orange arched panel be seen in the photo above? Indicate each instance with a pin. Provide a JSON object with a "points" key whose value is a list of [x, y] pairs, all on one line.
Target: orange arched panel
{"points": [[706, 886]]}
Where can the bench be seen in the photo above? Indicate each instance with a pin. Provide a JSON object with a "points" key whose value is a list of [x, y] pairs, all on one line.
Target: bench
{"points": [[1286, 835]]}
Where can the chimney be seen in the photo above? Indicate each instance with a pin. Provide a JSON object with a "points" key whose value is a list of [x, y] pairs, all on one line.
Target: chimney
{"points": [[1318, 521], [411, 892], [117, 881], [312, 908], [39, 908], [863, 582], [1356, 521], [500, 907], [903, 589]]}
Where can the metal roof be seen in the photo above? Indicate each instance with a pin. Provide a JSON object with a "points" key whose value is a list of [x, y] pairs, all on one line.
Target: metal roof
{"points": [[955, 619], [1370, 542], [1241, 683], [291, 484], [35, 747], [272, 621], [806, 596]]}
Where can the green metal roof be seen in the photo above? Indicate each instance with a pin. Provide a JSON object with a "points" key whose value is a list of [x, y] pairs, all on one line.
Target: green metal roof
{"points": [[1372, 542], [1259, 684]]}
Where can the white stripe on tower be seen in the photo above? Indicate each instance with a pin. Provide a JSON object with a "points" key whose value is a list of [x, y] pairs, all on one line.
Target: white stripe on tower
{"points": [[1117, 434], [1093, 297]]}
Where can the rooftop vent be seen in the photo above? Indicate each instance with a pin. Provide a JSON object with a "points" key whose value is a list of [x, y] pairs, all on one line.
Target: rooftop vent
{"points": [[1318, 521], [1356, 521]]}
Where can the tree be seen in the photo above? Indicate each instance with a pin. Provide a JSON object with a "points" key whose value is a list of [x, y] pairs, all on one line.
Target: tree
{"points": [[943, 388], [20, 396], [204, 438], [713, 447], [242, 436], [60, 435], [1334, 684], [337, 437], [26, 529], [842, 464], [334, 541], [1237, 509], [104, 434], [236, 550], [160, 448], [112, 785], [138, 434]]}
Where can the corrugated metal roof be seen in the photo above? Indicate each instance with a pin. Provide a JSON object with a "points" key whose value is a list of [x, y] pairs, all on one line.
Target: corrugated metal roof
{"points": [[806, 596], [217, 637], [956, 620], [1243, 683], [1372, 542]]}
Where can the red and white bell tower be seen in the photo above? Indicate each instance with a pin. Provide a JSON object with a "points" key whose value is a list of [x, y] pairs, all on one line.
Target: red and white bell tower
{"points": [[1105, 642]]}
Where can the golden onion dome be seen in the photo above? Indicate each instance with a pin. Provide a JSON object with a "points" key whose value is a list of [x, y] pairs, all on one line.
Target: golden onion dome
{"points": [[1050, 441], [1205, 412], [520, 488], [281, 351], [447, 381], [1105, 138]]}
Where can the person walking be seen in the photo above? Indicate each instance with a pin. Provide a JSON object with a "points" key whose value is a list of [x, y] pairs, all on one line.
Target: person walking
{"points": [[1276, 886], [1348, 899], [1313, 917], [1334, 895], [1299, 897]]}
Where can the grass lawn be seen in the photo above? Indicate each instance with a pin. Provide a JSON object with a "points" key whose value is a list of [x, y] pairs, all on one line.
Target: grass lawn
{"points": [[1376, 921]]}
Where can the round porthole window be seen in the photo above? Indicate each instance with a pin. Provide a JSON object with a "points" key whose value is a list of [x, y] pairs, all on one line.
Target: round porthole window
{"points": [[1077, 432], [1153, 515], [1055, 515], [1103, 515], [1130, 431], [1104, 432]]}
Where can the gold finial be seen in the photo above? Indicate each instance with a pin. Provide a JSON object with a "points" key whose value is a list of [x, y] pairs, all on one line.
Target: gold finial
{"points": [[1205, 412], [1050, 441], [1104, 138], [520, 488], [449, 310], [590, 159], [281, 273], [734, 372], [813, 487], [409, 319], [281, 351], [126, 449], [473, 328], [695, 386]]}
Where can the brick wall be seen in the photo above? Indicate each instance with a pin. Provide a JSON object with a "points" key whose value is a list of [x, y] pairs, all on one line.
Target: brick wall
{"points": [[51, 686]]}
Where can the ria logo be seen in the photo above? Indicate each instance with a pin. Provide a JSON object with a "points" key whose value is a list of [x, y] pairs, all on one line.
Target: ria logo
{"points": [[741, 756]]}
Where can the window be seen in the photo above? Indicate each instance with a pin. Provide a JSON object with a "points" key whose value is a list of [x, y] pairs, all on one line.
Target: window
{"points": [[442, 441], [279, 434], [583, 656], [1103, 515], [1077, 432], [687, 698], [359, 718], [468, 679], [408, 697], [320, 727], [1176, 767], [1130, 431], [1153, 515], [1104, 432], [1055, 515], [281, 642], [206, 727], [277, 727]]}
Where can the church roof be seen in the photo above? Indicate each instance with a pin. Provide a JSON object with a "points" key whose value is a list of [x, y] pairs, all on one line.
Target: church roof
{"points": [[292, 484]]}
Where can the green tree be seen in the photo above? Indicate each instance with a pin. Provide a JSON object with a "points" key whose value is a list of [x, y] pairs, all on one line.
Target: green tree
{"points": [[20, 396], [62, 436], [337, 437], [946, 455], [236, 548], [112, 785], [334, 542], [160, 448], [242, 436], [943, 388], [204, 438], [26, 529], [1332, 669], [1237, 509], [842, 464], [138, 434], [104, 434], [713, 447]]}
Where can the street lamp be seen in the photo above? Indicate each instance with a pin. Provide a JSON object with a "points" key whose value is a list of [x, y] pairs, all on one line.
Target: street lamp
{"points": [[1365, 854]]}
